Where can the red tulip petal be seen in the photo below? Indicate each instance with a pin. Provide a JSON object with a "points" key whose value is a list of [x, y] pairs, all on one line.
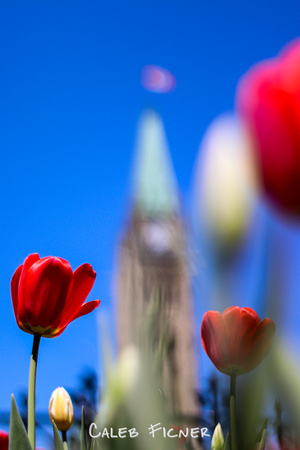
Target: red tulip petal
{"points": [[289, 66], [231, 317], [249, 323], [17, 281], [30, 260], [84, 278], [269, 101], [45, 288], [15, 289], [261, 343], [241, 324], [279, 111], [86, 308], [214, 338]]}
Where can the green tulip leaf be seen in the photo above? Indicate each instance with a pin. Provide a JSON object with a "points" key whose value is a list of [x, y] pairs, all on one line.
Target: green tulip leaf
{"points": [[95, 445], [57, 439], [227, 442], [92, 447], [260, 439], [18, 438], [261, 445], [83, 444], [261, 432]]}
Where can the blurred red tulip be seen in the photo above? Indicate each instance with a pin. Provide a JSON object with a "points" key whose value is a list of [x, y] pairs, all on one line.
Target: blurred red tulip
{"points": [[237, 340], [3, 440], [47, 295], [268, 99]]}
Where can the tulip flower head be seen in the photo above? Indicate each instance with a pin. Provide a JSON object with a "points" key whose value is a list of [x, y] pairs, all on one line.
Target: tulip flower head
{"points": [[61, 409], [3, 440], [47, 295], [237, 340], [268, 100]]}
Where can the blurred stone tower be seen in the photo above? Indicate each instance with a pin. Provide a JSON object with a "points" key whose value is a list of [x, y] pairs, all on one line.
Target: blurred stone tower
{"points": [[154, 294]]}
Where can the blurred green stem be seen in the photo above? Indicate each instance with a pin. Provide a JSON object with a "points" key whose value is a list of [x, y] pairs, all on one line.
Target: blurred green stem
{"points": [[31, 389], [65, 441], [232, 411]]}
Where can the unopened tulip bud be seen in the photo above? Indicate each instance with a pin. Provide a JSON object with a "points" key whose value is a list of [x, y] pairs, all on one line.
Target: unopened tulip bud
{"points": [[225, 183], [61, 409], [217, 441]]}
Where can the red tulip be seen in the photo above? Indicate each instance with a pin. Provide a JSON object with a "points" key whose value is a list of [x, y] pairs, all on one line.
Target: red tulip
{"points": [[3, 440], [47, 295], [268, 99], [237, 340]]}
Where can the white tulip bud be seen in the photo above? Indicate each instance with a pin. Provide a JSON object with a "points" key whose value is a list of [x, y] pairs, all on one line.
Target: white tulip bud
{"points": [[61, 409], [217, 441]]}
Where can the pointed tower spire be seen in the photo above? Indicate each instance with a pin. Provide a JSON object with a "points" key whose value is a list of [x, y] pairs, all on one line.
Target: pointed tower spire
{"points": [[155, 190], [154, 292]]}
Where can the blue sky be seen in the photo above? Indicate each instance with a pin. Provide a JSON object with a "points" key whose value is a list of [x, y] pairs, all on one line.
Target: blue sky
{"points": [[70, 101]]}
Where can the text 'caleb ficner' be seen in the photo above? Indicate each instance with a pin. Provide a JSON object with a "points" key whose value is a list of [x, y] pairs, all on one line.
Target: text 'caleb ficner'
{"points": [[156, 430]]}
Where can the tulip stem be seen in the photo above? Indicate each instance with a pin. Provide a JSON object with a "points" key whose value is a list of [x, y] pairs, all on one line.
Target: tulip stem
{"points": [[31, 389], [65, 441], [232, 411]]}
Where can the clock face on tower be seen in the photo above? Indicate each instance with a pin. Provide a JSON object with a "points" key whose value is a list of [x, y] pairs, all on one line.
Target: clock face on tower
{"points": [[157, 237], [157, 242]]}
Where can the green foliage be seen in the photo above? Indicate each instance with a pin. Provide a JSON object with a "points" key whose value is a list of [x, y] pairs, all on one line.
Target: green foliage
{"points": [[261, 445], [261, 432], [285, 379], [83, 444], [57, 439], [261, 436], [95, 445], [18, 438], [227, 442]]}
